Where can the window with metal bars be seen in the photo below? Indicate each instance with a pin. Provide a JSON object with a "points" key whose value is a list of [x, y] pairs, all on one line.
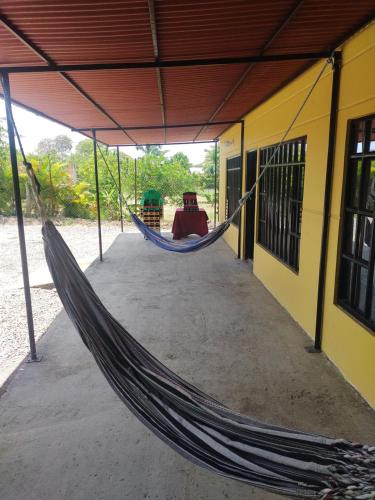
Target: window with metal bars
{"points": [[233, 186], [356, 286], [280, 199]]}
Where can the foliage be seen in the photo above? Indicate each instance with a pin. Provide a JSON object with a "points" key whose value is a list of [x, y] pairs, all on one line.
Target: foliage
{"points": [[6, 191], [56, 149], [67, 177], [169, 176], [208, 165], [83, 164], [150, 149], [79, 202], [182, 160]]}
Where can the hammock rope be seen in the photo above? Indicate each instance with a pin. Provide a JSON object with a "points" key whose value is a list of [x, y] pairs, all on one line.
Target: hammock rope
{"points": [[109, 170], [281, 460]]}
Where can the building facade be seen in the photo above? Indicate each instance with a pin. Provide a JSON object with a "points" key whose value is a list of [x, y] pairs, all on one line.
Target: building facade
{"points": [[281, 228]]}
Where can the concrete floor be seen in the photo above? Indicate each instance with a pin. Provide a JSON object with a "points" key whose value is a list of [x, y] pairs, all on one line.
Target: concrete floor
{"points": [[64, 433]]}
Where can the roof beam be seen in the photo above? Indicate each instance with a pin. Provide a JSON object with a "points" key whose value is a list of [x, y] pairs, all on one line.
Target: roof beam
{"points": [[155, 127], [212, 141], [154, 34], [223, 61], [51, 63], [296, 7]]}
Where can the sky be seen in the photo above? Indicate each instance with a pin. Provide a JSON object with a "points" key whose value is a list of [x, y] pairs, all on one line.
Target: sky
{"points": [[33, 128]]}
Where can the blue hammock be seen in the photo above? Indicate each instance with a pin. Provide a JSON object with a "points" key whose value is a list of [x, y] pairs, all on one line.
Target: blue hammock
{"points": [[185, 247]]}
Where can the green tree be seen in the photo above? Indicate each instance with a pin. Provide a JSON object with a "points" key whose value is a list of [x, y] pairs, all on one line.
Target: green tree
{"points": [[56, 149], [83, 162], [68, 178], [181, 159], [6, 184], [51, 159], [150, 149], [55, 184], [169, 176], [208, 176]]}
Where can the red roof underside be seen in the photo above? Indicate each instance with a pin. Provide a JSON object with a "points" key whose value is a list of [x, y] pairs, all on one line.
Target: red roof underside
{"points": [[93, 31]]}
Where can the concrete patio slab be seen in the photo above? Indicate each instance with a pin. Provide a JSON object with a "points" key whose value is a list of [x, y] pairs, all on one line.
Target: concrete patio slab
{"points": [[65, 434]]}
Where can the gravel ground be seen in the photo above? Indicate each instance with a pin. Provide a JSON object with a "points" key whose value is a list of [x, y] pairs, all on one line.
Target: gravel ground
{"points": [[82, 239]]}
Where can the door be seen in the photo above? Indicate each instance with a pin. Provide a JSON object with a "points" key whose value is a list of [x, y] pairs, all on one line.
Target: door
{"points": [[251, 173]]}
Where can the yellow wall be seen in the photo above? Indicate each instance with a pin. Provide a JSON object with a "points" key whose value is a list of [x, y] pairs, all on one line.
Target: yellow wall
{"points": [[350, 346], [347, 342]]}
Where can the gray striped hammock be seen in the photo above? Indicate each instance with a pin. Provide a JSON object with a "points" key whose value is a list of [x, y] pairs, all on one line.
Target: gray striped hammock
{"points": [[292, 463]]}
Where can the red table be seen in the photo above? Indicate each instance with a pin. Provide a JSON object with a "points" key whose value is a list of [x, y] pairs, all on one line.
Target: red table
{"points": [[186, 223]]}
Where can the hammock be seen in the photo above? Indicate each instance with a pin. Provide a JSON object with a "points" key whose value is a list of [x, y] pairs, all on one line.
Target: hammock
{"points": [[186, 247], [168, 244], [292, 463]]}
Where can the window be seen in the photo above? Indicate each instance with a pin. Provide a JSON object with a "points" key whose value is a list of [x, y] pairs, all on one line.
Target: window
{"points": [[233, 186], [356, 287], [280, 200]]}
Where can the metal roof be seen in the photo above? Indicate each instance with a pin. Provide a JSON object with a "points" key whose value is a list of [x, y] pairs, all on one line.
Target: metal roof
{"points": [[163, 34]]}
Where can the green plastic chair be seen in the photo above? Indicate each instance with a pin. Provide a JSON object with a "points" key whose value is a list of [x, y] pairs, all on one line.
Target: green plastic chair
{"points": [[151, 198]]}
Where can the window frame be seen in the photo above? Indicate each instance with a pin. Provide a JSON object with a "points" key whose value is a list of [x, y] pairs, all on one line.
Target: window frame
{"points": [[281, 251], [228, 213], [364, 319]]}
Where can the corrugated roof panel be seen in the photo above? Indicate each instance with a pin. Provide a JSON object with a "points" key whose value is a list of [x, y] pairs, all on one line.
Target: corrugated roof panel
{"points": [[210, 28], [51, 95], [113, 137], [130, 96], [117, 137], [175, 134], [13, 51], [191, 95], [210, 132], [320, 25], [263, 80], [148, 136], [71, 31]]}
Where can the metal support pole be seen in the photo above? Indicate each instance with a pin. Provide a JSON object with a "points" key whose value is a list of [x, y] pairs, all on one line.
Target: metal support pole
{"points": [[215, 183], [97, 196], [335, 94], [119, 188], [239, 245], [18, 206], [135, 185]]}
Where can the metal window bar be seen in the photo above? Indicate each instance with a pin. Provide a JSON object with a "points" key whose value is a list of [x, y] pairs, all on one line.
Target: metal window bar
{"points": [[280, 200], [356, 290], [233, 186]]}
